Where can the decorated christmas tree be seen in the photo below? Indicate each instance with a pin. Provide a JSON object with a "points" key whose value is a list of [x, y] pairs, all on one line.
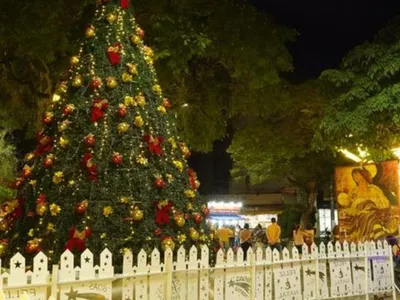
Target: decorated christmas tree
{"points": [[109, 169]]}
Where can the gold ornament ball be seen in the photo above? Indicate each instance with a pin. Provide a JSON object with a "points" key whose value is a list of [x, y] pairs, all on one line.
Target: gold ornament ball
{"points": [[74, 60], [112, 82], [77, 81], [41, 209], [135, 39], [179, 221], [123, 127], [90, 32], [139, 121], [3, 225], [3, 248], [137, 214], [29, 156], [168, 243], [111, 18], [194, 235]]}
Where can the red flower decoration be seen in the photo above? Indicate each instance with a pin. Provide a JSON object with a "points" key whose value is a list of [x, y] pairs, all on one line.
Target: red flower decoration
{"points": [[162, 210], [45, 143], [91, 167], [77, 239], [113, 54], [124, 4], [154, 144], [98, 108]]}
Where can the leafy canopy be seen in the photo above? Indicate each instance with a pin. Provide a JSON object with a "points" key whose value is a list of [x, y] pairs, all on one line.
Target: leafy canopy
{"points": [[364, 111]]}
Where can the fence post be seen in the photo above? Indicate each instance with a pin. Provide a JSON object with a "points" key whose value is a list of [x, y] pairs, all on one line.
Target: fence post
{"points": [[366, 246], [391, 267], [54, 282], [253, 275], [168, 273], [315, 254]]}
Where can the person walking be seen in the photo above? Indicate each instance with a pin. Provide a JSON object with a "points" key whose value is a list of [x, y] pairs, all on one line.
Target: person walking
{"points": [[298, 239], [237, 235], [245, 238], [273, 233]]}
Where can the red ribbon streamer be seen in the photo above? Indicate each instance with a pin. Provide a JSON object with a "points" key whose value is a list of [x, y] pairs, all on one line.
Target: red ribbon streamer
{"points": [[124, 4]]}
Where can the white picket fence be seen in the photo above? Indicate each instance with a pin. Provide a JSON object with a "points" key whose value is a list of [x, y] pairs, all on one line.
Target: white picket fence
{"points": [[356, 271]]}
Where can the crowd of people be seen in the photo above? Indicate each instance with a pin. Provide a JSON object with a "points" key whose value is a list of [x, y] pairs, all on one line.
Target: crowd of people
{"points": [[260, 237]]}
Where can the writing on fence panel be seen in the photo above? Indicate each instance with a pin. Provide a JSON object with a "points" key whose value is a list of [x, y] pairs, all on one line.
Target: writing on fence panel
{"points": [[358, 267], [380, 269], [339, 267], [286, 276], [237, 276], [86, 284], [17, 279]]}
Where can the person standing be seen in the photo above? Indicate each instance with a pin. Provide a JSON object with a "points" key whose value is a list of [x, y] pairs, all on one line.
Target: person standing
{"points": [[245, 238], [273, 233], [298, 239], [223, 234]]}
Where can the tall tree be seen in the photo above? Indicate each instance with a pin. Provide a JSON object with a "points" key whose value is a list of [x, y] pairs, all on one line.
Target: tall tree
{"points": [[213, 57], [108, 169], [278, 143], [364, 110]]}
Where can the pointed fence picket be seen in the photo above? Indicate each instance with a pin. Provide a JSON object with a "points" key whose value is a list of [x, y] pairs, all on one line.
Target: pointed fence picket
{"points": [[332, 271]]}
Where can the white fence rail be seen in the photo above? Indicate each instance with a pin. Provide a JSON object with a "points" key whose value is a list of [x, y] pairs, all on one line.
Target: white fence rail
{"points": [[356, 271]]}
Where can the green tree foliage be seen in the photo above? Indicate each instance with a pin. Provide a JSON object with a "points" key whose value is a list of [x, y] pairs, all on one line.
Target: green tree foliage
{"points": [[108, 170], [216, 56], [277, 143], [7, 167], [364, 110]]}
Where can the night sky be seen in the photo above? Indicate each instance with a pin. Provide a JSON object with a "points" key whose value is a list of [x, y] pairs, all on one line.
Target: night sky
{"points": [[327, 29]]}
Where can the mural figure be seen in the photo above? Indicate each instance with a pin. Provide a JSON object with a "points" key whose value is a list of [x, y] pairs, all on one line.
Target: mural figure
{"points": [[365, 211]]}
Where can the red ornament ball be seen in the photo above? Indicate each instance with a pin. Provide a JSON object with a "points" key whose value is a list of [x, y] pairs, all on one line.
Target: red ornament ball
{"points": [[116, 158], [68, 109], [140, 32], [81, 207], [122, 110], [166, 103], [47, 118], [96, 83], [90, 140], [159, 183], [197, 218], [48, 162], [157, 231]]}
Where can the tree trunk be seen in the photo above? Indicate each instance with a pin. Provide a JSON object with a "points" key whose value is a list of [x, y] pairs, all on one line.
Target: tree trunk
{"points": [[311, 204]]}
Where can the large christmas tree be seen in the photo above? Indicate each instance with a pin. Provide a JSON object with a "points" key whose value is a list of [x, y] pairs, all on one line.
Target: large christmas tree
{"points": [[109, 169]]}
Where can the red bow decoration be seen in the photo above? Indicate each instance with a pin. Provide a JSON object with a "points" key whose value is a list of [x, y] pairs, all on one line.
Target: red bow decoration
{"points": [[154, 144], [98, 108], [12, 210], [113, 54], [192, 179], [45, 143], [88, 164], [41, 199], [124, 4], [162, 210], [77, 239]]}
